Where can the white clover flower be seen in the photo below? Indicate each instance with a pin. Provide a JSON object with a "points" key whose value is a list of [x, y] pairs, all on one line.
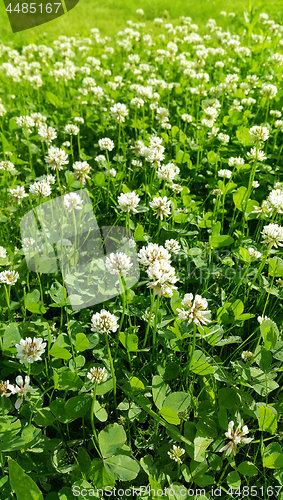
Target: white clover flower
{"points": [[173, 246], [72, 201], [138, 102], [3, 252], [275, 200], [118, 263], [223, 138], [119, 112], [39, 119], [140, 12], [247, 356], [145, 317], [175, 453], [81, 168], [255, 184], [106, 143], [3, 110], [56, 157], [4, 387], [101, 160], [161, 206], [112, 172], [177, 188], [279, 124], [49, 178], [66, 144], [265, 210], [275, 112], [136, 163], [47, 134], [79, 119], [167, 172], [29, 350], [256, 154], [194, 310], [9, 277], [207, 123], [259, 133], [163, 278], [153, 153], [236, 162], [28, 243], [213, 133], [71, 129], [227, 174], [236, 106], [268, 90], [153, 253], [26, 122], [162, 115], [21, 389], [254, 253], [40, 188], [211, 112], [7, 165], [97, 375], [273, 235], [18, 193], [158, 21], [235, 438], [187, 118], [104, 322], [262, 319], [128, 202]]}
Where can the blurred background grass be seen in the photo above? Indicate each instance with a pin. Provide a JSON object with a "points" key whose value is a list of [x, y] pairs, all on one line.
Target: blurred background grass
{"points": [[111, 15]]}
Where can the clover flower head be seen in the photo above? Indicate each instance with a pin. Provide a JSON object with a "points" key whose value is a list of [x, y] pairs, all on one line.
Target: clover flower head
{"points": [[175, 453], [22, 388], [236, 437], [9, 277], [118, 263], [194, 309], [104, 322], [161, 206], [72, 201], [97, 375], [29, 350], [128, 202]]}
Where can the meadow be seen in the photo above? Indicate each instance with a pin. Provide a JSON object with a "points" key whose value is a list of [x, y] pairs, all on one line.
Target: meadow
{"points": [[141, 258]]}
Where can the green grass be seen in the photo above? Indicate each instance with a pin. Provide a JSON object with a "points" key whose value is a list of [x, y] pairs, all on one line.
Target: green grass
{"points": [[110, 16]]}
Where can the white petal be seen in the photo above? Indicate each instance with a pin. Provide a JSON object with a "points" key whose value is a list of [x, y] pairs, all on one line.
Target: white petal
{"points": [[19, 380]]}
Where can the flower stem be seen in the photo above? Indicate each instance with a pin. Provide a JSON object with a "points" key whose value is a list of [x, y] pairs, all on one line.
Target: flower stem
{"points": [[95, 440], [149, 319], [112, 368]]}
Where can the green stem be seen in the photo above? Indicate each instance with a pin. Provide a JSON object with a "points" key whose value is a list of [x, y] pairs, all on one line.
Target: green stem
{"points": [[193, 346], [155, 325], [40, 287], [58, 180], [149, 318], [112, 368], [95, 441], [7, 294]]}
